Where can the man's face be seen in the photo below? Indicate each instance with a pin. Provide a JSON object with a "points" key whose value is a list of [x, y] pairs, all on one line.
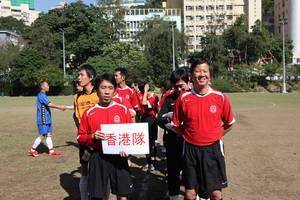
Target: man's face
{"points": [[181, 86], [119, 78], [45, 86], [201, 75], [83, 78], [106, 91]]}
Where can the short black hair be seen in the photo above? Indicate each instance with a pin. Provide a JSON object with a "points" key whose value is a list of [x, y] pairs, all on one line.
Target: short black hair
{"points": [[167, 84], [122, 71], [198, 61], [41, 83], [90, 71], [106, 77], [179, 74]]}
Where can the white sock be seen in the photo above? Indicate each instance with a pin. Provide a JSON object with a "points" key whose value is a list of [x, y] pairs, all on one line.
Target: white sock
{"points": [[49, 143], [36, 143], [175, 197], [83, 187]]}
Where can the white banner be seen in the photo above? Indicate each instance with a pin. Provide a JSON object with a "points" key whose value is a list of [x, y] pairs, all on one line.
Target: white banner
{"points": [[130, 138]]}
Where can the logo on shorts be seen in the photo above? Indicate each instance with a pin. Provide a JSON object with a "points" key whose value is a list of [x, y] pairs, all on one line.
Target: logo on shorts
{"points": [[127, 96], [116, 118], [213, 109]]}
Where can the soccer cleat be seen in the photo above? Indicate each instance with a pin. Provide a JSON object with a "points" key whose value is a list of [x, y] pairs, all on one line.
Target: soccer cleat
{"points": [[34, 153], [54, 153], [151, 168]]}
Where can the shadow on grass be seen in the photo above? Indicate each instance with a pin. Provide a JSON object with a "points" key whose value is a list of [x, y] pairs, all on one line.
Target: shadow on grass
{"points": [[70, 183], [68, 143]]}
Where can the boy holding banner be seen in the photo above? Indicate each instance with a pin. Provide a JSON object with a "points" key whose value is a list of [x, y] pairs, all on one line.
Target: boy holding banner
{"points": [[105, 168]]}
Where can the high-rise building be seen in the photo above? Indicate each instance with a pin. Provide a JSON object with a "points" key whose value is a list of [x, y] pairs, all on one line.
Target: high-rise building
{"points": [[200, 16], [19, 9], [286, 13]]}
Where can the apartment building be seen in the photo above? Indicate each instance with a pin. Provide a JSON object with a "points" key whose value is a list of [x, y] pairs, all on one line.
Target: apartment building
{"points": [[200, 16], [287, 11], [19, 9], [135, 19]]}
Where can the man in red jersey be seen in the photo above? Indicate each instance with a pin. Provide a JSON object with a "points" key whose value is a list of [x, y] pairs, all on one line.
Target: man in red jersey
{"points": [[105, 169], [150, 110], [135, 86], [203, 116], [167, 89], [123, 90]]}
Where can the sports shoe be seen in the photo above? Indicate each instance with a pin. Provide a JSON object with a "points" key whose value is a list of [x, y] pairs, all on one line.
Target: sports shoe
{"points": [[151, 168], [145, 167], [54, 153], [34, 153]]}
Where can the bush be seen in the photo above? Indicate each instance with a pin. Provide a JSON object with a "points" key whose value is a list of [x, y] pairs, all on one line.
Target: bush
{"points": [[222, 85]]}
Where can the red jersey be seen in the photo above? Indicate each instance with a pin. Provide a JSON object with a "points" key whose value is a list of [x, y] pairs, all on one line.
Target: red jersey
{"points": [[202, 116], [164, 97], [121, 100], [152, 106], [95, 116], [130, 95]]}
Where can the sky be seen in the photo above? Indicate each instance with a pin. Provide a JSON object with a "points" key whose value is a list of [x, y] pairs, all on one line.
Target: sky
{"points": [[45, 5]]}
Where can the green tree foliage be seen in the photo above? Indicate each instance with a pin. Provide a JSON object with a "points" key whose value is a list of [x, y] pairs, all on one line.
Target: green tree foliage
{"points": [[267, 8], [215, 53], [30, 67], [7, 55], [102, 64], [276, 49], [12, 24], [86, 29], [156, 38], [125, 55]]}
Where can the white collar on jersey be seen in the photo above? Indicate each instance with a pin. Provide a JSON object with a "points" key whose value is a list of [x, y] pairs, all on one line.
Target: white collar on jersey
{"points": [[124, 88], [195, 93]]}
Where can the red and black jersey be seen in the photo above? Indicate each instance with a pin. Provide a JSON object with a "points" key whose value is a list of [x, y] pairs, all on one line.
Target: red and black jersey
{"points": [[164, 97], [116, 98], [130, 95], [151, 108], [201, 117], [95, 116]]}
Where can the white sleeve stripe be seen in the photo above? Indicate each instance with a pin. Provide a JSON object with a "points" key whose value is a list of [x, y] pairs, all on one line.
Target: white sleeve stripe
{"points": [[232, 122], [78, 137], [185, 94], [149, 104]]}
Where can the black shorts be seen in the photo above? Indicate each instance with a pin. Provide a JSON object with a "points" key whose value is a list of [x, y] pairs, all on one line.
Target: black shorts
{"points": [[204, 167], [152, 127], [105, 169], [82, 149]]}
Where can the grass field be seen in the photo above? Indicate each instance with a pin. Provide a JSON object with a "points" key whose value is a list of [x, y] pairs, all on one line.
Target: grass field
{"points": [[262, 152]]}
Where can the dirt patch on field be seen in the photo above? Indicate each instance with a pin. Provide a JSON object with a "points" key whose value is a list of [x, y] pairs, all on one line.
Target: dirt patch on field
{"points": [[262, 157]]}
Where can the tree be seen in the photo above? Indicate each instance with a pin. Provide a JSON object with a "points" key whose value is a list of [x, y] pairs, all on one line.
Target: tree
{"points": [[215, 52], [12, 24], [125, 55], [156, 39], [86, 30], [276, 49], [102, 64], [30, 67], [7, 55]]}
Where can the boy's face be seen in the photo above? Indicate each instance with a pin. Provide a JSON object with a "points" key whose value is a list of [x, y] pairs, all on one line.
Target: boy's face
{"points": [[45, 87], [181, 86], [106, 92], [119, 78], [83, 78]]}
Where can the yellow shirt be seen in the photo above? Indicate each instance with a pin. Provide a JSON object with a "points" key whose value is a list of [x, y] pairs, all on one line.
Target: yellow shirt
{"points": [[83, 101]]}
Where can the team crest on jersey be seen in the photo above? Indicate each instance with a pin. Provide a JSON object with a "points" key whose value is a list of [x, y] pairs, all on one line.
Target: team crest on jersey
{"points": [[116, 118], [127, 96], [213, 109]]}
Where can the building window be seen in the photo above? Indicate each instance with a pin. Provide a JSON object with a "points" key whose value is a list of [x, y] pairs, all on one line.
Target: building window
{"points": [[220, 7], [229, 17], [200, 28], [229, 7], [210, 7], [198, 37], [198, 46], [189, 28], [209, 17], [15, 10], [191, 38], [219, 17], [189, 8], [199, 18], [191, 46], [199, 8], [189, 18], [5, 7]]}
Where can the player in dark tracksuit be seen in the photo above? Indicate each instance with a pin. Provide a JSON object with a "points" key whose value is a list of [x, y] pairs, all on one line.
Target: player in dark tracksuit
{"points": [[174, 142]]}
